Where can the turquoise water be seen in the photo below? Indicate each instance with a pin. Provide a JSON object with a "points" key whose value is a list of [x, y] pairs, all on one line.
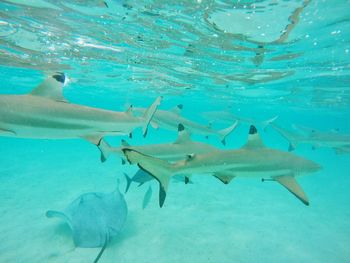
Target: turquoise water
{"points": [[255, 59]]}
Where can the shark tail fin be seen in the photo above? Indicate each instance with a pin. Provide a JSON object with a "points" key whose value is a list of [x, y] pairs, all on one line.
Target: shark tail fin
{"points": [[268, 122], [227, 131], [128, 182], [148, 115], [159, 169]]}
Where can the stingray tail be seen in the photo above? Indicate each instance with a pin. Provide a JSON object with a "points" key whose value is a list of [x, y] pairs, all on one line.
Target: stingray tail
{"points": [[159, 169], [102, 250], [227, 131], [148, 115]]}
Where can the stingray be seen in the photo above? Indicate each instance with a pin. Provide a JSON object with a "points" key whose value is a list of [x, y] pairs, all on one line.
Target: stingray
{"points": [[94, 218]]}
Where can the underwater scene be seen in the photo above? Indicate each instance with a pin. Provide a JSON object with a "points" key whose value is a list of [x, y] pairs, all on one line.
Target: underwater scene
{"points": [[174, 131]]}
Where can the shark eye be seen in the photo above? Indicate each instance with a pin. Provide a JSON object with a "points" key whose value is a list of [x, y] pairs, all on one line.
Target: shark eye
{"points": [[60, 77]]}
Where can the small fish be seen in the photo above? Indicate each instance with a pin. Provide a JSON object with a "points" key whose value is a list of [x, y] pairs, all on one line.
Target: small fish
{"points": [[147, 197], [140, 177]]}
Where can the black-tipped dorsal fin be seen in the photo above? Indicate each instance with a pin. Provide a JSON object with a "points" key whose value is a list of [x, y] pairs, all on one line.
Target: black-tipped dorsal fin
{"points": [[129, 110], [190, 157], [52, 87], [183, 135], [177, 109], [254, 140]]}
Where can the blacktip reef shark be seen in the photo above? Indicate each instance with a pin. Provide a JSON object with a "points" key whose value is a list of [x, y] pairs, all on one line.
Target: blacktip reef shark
{"points": [[44, 113], [173, 151], [170, 119], [332, 139], [225, 116], [254, 159]]}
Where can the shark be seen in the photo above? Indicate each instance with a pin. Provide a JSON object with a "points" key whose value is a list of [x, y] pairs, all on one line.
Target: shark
{"points": [[169, 120], [253, 160], [224, 116], [44, 113], [332, 139], [173, 151]]}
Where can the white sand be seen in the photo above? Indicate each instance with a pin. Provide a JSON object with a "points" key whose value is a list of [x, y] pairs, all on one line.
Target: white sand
{"points": [[246, 221]]}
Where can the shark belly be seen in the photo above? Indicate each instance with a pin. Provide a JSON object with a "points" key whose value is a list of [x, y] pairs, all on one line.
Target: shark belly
{"points": [[262, 174]]}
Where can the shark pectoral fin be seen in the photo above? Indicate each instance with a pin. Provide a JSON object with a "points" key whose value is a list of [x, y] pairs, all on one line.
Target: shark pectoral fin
{"points": [[104, 148], [159, 169], [148, 115], [52, 87], [5, 131], [94, 139], [289, 182], [224, 177]]}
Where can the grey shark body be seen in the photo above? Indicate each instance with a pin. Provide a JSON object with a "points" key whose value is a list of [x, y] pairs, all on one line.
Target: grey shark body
{"points": [[224, 116], [45, 114], [173, 151], [253, 160], [169, 120], [302, 135]]}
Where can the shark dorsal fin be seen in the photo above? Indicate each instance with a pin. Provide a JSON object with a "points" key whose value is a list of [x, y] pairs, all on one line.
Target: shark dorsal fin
{"points": [[254, 140], [125, 143], [52, 87], [190, 157], [129, 110], [183, 135], [177, 109]]}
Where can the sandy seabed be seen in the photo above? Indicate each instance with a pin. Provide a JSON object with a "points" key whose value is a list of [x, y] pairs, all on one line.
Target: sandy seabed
{"points": [[245, 221]]}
